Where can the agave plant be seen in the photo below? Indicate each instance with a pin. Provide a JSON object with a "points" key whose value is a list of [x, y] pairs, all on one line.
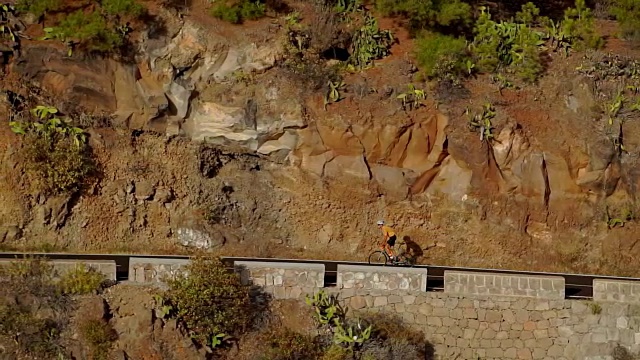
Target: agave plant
{"points": [[352, 336]]}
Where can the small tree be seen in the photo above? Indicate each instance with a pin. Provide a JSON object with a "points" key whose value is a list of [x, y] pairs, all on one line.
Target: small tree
{"points": [[209, 301], [627, 12]]}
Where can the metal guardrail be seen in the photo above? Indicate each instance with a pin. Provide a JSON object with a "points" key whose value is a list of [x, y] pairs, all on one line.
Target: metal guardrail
{"points": [[577, 286]]}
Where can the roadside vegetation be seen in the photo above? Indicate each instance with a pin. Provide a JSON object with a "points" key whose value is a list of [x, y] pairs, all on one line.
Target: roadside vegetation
{"points": [[36, 307], [55, 154]]}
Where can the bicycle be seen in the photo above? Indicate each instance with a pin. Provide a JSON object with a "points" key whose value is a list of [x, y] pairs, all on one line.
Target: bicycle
{"points": [[381, 257]]}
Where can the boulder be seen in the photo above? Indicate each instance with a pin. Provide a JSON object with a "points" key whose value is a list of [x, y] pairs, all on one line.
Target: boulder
{"points": [[344, 167], [222, 125], [280, 148], [179, 96], [144, 190], [197, 239], [391, 180], [453, 180]]}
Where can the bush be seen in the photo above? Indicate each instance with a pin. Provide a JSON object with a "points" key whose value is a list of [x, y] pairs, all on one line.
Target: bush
{"points": [[38, 7], [627, 12], [370, 43], [284, 344], [579, 25], [391, 340], [98, 336], [238, 11], [81, 280], [91, 31], [55, 166], [210, 301], [55, 155], [442, 57], [32, 310], [422, 14], [515, 47], [122, 7]]}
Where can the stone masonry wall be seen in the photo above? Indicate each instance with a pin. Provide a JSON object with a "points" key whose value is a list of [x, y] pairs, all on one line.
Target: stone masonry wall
{"points": [[475, 283], [106, 267], [283, 280], [154, 270], [616, 290], [381, 278], [507, 327]]}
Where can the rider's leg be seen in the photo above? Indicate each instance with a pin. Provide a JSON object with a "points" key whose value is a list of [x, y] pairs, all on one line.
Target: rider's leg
{"points": [[389, 250]]}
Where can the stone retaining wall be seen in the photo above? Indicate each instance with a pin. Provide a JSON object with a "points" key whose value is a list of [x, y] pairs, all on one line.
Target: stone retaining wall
{"points": [[507, 327], [154, 270], [283, 280], [474, 283], [106, 267], [381, 278], [616, 290]]}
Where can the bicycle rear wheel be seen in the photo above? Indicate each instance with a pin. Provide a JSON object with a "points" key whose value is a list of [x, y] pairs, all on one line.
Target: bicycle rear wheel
{"points": [[378, 258]]}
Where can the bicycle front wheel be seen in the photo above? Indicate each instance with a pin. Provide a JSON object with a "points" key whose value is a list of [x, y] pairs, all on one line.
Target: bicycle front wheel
{"points": [[378, 258]]}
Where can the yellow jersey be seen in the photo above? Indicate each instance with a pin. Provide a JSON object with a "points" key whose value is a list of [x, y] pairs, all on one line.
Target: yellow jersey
{"points": [[387, 231]]}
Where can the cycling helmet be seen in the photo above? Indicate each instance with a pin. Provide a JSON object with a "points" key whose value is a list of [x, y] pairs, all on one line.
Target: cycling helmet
{"points": [[380, 222]]}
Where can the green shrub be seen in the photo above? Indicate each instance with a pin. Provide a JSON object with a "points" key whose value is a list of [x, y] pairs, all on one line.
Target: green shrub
{"points": [[336, 352], [55, 155], [370, 43], [392, 339], [210, 300], [284, 344], [38, 7], [627, 12], [91, 31], [81, 280], [32, 310], [98, 336], [579, 25], [122, 7], [425, 14], [528, 14], [515, 47], [238, 11], [442, 57]]}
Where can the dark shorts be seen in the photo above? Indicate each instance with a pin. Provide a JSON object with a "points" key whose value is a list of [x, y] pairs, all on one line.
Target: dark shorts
{"points": [[392, 240]]}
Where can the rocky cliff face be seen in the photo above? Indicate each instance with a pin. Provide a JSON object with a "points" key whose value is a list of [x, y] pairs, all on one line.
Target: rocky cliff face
{"points": [[282, 176]]}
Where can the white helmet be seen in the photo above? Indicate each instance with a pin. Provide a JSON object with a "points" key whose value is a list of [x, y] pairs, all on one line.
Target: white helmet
{"points": [[380, 222]]}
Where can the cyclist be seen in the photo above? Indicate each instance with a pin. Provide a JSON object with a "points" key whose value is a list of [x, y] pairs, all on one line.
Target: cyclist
{"points": [[389, 239]]}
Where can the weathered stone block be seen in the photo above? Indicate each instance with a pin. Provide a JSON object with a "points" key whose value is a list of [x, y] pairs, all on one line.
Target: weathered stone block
{"points": [[616, 290], [546, 287], [381, 278]]}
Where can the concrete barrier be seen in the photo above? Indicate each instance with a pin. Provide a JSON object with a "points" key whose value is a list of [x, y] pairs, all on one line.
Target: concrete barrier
{"points": [[60, 267], [381, 278], [154, 270], [283, 280], [473, 283], [616, 290]]}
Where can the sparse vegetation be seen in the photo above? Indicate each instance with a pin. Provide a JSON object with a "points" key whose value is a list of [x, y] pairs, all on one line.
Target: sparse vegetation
{"points": [[595, 308], [627, 12], [33, 311], [578, 25], [370, 43], [81, 280], [99, 336], [422, 15], [481, 122], [38, 7], [413, 98], [238, 11], [55, 155]]}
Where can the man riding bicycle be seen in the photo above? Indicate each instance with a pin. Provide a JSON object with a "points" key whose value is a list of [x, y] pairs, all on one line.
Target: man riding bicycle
{"points": [[389, 239]]}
